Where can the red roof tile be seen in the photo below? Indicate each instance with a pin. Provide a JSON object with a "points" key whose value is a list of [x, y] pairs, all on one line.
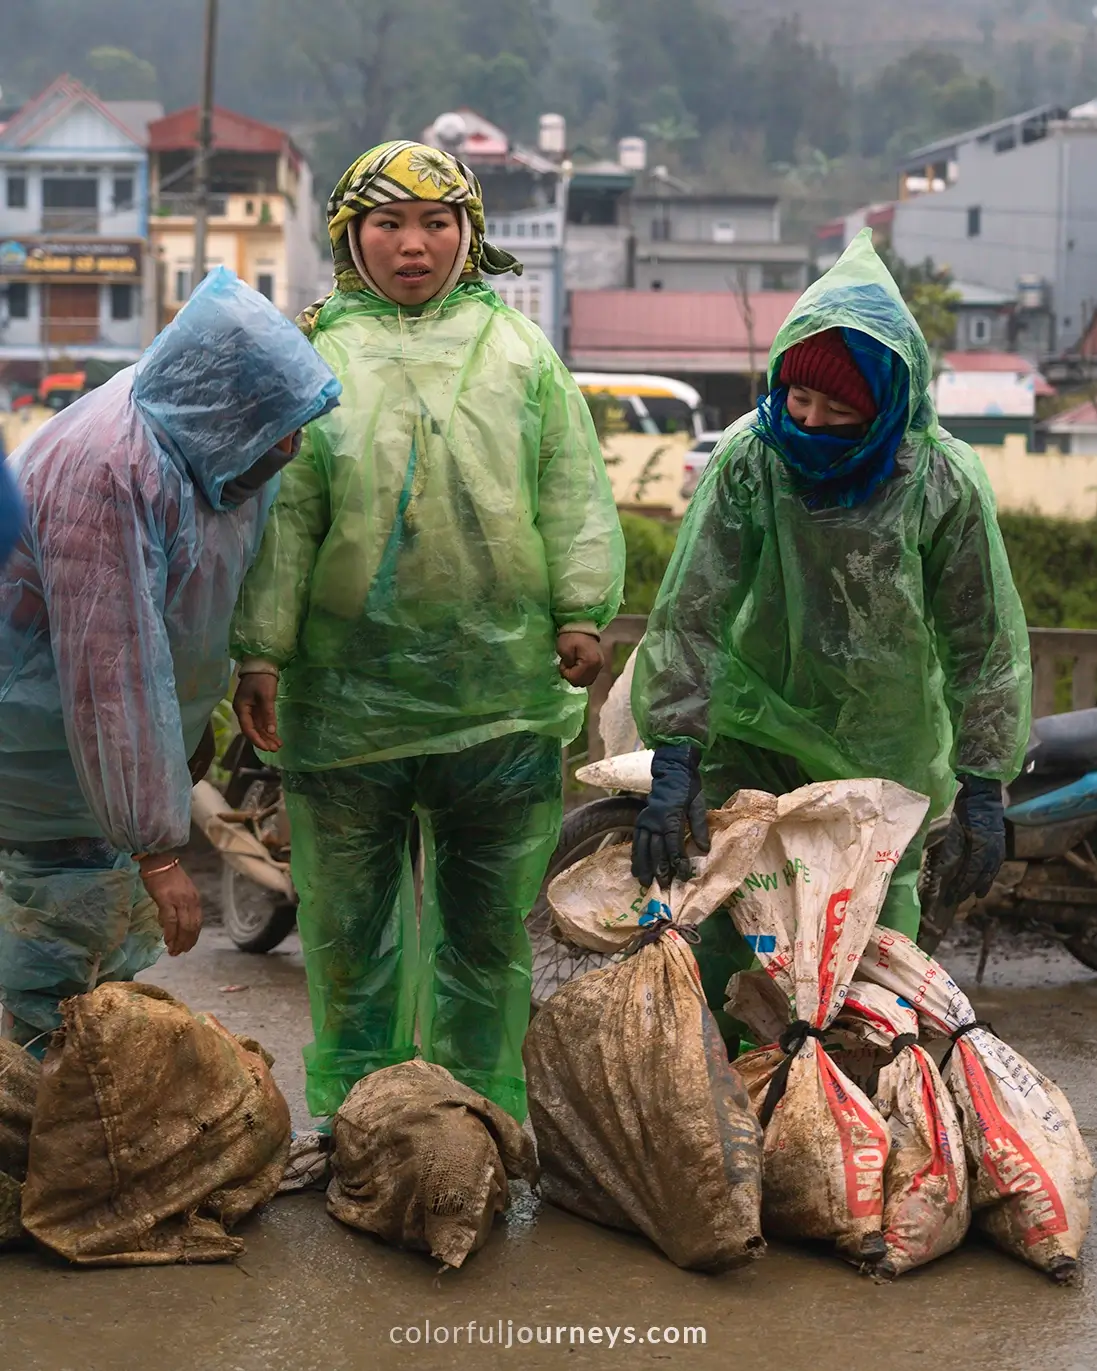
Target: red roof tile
{"points": [[635, 321], [232, 132]]}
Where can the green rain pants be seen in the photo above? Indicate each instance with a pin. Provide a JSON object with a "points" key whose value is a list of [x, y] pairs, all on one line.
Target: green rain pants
{"points": [[458, 985], [722, 951]]}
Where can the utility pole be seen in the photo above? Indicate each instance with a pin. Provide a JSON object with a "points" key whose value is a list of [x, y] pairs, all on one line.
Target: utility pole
{"points": [[205, 142]]}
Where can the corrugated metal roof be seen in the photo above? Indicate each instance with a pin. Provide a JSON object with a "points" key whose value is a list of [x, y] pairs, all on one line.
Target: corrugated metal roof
{"points": [[996, 361], [232, 132], [634, 322]]}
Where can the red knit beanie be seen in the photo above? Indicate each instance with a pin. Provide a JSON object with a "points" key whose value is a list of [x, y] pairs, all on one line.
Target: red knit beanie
{"points": [[823, 362]]}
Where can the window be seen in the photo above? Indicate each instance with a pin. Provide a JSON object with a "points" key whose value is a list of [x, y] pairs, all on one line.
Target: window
{"points": [[534, 310], [17, 192], [70, 204], [18, 300], [974, 221], [535, 229], [660, 230], [264, 284], [182, 285], [723, 231], [64, 192], [122, 195], [121, 302], [980, 329], [520, 229]]}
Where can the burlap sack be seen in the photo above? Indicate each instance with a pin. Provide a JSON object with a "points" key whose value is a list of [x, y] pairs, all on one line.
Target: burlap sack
{"points": [[599, 904], [422, 1161], [807, 911], [1030, 1169], [155, 1130], [927, 1206], [641, 1121], [19, 1076]]}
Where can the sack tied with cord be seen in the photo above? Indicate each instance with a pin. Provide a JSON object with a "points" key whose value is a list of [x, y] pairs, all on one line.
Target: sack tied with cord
{"points": [[828, 859]]}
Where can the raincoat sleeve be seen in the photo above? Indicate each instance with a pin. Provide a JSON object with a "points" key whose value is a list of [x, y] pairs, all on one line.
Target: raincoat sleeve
{"points": [[689, 630], [576, 512], [979, 622], [275, 593], [101, 544], [11, 510]]}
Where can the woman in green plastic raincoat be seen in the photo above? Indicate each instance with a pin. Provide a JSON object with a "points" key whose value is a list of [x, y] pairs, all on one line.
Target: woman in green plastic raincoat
{"points": [[839, 605], [427, 598]]}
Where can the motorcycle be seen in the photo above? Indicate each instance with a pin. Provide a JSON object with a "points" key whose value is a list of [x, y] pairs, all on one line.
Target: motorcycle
{"points": [[247, 824], [1048, 882]]}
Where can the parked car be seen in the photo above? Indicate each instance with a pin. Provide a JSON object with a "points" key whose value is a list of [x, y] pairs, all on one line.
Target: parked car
{"points": [[696, 459]]}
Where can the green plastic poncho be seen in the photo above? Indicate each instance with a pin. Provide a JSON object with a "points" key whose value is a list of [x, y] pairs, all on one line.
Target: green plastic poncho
{"points": [[881, 640], [431, 539]]}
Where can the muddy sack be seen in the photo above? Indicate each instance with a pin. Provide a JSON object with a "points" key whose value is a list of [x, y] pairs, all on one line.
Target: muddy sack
{"points": [[19, 1077], [807, 911], [155, 1131], [422, 1161], [927, 1208], [1030, 1169], [641, 1122], [599, 904]]}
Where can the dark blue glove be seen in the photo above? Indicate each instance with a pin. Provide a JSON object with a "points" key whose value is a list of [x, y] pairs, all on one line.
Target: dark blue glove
{"points": [[975, 846], [659, 840]]}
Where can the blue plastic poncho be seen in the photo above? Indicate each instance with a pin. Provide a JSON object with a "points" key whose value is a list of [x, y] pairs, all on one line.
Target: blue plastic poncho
{"points": [[11, 510], [115, 609]]}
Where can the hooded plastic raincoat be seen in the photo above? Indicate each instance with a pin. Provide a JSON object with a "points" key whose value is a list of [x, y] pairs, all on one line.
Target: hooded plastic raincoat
{"points": [[794, 641], [114, 623], [435, 535]]}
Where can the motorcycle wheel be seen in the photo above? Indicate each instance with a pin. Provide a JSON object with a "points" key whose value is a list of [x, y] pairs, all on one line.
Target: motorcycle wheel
{"points": [[585, 830], [1084, 947], [256, 919]]}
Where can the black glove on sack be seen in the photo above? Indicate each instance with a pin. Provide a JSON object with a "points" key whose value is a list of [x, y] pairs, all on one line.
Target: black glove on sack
{"points": [[975, 845], [658, 842]]}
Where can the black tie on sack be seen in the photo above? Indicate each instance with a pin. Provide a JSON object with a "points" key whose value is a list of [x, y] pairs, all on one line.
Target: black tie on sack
{"points": [[898, 1044], [689, 932], [790, 1042], [954, 1038]]}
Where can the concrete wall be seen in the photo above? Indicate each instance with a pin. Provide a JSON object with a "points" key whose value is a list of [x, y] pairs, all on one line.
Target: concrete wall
{"points": [[700, 221], [1076, 289], [1041, 482], [1018, 194], [596, 256], [706, 276]]}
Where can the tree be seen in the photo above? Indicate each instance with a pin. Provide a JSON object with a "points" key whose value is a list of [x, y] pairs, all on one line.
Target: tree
{"points": [[800, 96], [116, 74], [930, 296], [922, 96], [686, 45]]}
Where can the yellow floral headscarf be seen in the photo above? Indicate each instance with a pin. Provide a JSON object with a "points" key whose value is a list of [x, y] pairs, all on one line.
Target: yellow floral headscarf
{"points": [[402, 170]]}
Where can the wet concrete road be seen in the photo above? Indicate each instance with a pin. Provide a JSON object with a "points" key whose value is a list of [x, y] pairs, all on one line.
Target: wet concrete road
{"points": [[312, 1295]]}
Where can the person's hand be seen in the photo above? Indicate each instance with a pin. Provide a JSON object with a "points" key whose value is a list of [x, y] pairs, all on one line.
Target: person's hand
{"points": [[204, 755], [178, 906], [254, 704], [974, 847], [658, 841], [580, 658]]}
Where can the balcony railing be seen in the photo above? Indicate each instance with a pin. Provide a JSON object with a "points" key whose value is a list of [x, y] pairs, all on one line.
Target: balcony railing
{"points": [[185, 206], [70, 221]]}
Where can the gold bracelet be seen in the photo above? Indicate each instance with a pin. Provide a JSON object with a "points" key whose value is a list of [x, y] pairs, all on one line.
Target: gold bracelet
{"points": [[158, 870]]}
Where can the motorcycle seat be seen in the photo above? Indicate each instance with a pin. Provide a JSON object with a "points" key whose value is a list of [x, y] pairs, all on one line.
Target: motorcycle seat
{"points": [[1063, 743]]}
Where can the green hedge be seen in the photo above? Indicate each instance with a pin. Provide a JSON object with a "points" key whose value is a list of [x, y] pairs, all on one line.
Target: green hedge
{"points": [[1054, 563]]}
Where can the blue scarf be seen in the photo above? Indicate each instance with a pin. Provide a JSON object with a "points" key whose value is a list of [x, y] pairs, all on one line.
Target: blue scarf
{"points": [[843, 471]]}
